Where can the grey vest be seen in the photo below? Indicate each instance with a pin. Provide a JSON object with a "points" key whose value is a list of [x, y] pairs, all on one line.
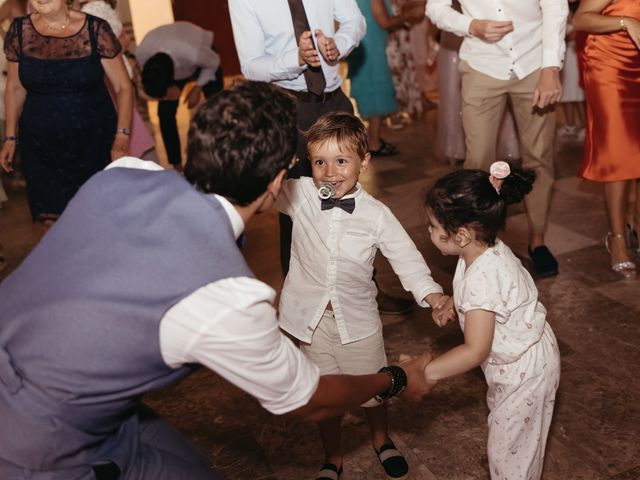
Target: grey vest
{"points": [[79, 320]]}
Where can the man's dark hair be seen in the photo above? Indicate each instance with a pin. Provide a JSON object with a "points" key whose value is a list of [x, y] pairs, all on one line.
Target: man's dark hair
{"points": [[157, 75], [240, 139]]}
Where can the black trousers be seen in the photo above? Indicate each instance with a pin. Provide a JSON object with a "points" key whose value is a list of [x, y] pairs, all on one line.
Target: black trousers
{"points": [[308, 113], [167, 110]]}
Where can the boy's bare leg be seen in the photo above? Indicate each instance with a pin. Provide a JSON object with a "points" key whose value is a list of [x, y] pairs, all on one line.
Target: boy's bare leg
{"points": [[377, 417], [330, 436]]}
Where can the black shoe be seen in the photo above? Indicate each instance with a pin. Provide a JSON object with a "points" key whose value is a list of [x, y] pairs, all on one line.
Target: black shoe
{"points": [[544, 263], [394, 464], [389, 305], [329, 471]]}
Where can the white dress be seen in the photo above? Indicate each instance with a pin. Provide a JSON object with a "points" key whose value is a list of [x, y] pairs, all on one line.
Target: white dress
{"points": [[523, 368], [570, 75]]}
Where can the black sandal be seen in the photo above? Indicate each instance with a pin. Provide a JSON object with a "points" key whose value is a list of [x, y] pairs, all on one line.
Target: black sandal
{"points": [[394, 464], [385, 150], [329, 471]]}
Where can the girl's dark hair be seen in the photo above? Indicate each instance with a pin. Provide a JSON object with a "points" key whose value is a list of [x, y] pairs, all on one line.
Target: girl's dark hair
{"points": [[466, 198]]}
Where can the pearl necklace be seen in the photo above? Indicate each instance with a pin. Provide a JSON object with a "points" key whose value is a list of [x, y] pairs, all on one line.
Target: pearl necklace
{"points": [[57, 28]]}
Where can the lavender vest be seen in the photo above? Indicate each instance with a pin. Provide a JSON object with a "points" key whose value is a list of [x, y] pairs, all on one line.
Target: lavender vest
{"points": [[79, 320]]}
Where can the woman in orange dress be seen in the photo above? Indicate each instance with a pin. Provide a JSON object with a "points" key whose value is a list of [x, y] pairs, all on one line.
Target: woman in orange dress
{"points": [[612, 89]]}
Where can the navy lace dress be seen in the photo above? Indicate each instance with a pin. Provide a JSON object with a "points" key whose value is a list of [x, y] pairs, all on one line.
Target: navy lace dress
{"points": [[68, 121]]}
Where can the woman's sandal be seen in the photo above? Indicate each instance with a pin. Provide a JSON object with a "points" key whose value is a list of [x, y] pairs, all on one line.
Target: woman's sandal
{"points": [[394, 464], [627, 268], [329, 471], [385, 150]]}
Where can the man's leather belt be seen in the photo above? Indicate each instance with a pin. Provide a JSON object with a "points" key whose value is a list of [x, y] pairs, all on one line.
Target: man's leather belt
{"points": [[309, 97]]}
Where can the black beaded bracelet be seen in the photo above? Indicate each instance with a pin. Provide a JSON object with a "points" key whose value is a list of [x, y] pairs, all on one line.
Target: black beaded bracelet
{"points": [[398, 382], [10, 138]]}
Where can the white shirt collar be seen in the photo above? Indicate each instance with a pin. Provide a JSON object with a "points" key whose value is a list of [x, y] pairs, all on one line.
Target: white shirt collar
{"points": [[237, 224]]}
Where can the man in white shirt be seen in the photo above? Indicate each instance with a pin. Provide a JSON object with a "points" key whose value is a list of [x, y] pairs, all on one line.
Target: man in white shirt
{"points": [[120, 311], [170, 56], [512, 49]]}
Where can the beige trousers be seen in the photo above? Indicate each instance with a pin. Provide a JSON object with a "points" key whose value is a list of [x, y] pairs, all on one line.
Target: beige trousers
{"points": [[484, 99]]}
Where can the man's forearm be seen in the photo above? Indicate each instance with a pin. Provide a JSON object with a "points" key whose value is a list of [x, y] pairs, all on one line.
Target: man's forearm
{"points": [[338, 393]]}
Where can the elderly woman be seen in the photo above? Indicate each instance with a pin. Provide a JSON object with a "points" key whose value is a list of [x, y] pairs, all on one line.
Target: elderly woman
{"points": [[68, 127], [612, 89]]}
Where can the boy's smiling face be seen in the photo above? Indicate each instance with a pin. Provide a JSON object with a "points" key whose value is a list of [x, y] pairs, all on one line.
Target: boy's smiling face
{"points": [[340, 167]]}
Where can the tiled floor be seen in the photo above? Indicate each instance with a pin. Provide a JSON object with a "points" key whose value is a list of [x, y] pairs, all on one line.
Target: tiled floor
{"points": [[596, 317]]}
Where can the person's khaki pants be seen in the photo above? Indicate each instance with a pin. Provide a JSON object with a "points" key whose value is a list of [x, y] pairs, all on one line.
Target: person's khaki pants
{"points": [[484, 99]]}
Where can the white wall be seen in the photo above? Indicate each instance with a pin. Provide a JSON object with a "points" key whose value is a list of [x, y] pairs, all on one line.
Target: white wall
{"points": [[147, 15]]}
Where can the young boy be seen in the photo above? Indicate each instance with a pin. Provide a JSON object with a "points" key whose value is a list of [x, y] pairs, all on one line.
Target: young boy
{"points": [[328, 299]]}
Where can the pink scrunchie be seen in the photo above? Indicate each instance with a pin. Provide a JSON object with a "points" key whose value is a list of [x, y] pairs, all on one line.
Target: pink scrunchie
{"points": [[497, 173]]}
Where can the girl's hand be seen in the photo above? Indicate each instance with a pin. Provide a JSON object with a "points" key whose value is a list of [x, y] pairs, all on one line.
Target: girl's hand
{"points": [[6, 155], [417, 384], [444, 312], [120, 147]]}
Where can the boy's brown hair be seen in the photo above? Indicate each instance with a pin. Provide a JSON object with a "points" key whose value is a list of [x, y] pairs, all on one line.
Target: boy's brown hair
{"points": [[346, 129]]}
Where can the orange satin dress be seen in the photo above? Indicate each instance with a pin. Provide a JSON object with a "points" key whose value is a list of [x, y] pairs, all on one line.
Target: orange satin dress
{"points": [[612, 90]]}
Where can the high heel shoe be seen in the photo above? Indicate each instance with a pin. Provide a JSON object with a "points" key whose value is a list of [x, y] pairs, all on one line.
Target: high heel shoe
{"points": [[626, 268]]}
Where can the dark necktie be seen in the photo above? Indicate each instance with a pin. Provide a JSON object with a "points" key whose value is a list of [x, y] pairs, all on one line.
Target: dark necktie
{"points": [[347, 204], [312, 75]]}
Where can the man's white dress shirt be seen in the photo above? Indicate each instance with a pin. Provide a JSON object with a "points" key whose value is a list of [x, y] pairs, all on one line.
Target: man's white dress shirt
{"points": [[230, 327], [188, 45], [267, 46], [537, 39], [332, 255]]}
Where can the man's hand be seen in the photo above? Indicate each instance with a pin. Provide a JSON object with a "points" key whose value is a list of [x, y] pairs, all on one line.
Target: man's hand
{"points": [[307, 53], [327, 47], [193, 97], [490, 31], [549, 88], [417, 385]]}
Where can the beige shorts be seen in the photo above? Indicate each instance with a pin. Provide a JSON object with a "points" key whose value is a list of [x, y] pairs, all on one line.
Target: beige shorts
{"points": [[361, 357]]}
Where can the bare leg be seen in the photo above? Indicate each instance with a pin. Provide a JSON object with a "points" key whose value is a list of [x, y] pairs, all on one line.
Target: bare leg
{"points": [[569, 113], [330, 437], [377, 417], [375, 126], [615, 196]]}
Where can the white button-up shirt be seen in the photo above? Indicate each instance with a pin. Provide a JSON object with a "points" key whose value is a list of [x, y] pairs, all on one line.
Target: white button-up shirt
{"points": [[537, 39], [188, 45], [267, 46], [332, 255], [230, 327]]}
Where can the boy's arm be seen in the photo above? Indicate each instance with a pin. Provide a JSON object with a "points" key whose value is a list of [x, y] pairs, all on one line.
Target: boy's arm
{"points": [[290, 197], [479, 326], [405, 259]]}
